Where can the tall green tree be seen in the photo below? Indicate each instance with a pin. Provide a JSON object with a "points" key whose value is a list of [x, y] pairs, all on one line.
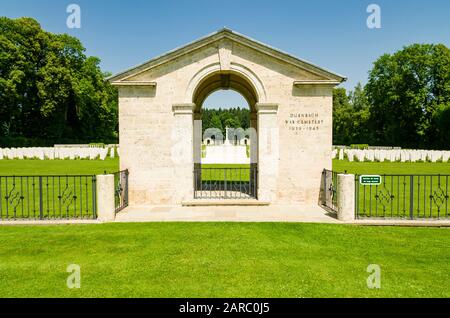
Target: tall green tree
{"points": [[360, 116], [404, 91], [441, 126], [351, 116], [49, 89], [216, 123], [341, 117], [222, 118]]}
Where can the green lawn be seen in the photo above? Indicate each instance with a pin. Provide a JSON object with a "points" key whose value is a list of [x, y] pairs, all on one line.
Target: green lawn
{"points": [[229, 172], [223, 260], [62, 167], [391, 167], [57, 167]]}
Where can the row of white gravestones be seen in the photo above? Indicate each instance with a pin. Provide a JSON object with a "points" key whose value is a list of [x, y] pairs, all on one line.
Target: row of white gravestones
{"points": [[43, 153], [391, 155]]}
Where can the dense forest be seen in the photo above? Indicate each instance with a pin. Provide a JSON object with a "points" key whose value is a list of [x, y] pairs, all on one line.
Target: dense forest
{"points": [[221, 118], [406, 102], [51, 92]]}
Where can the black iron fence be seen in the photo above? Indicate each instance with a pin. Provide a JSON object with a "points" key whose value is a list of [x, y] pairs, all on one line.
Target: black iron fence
{"points": [[328, 190], [225, 183], [48, 197], [404, 197], [121, 190]]}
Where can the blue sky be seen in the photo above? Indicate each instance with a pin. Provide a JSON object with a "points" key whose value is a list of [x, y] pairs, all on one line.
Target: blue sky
{"points": [[332, 34]]}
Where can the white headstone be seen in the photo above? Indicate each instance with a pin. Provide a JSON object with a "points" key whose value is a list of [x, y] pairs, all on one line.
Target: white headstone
{"points": [[103, 153], [446, 156], [350, 155], [41, 154]]}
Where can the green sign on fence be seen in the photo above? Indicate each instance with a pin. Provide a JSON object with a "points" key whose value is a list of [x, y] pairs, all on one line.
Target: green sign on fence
{"points": [[370, 180]]}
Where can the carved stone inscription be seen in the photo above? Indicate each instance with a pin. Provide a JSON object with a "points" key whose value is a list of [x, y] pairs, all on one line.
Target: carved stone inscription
{"points": [[303, 122]]}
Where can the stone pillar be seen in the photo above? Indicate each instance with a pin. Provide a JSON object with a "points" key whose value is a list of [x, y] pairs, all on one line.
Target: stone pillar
{"points": [[268, 151], [198, 138], [182, 151], [346, 197], [105, 198], [253, 138], [253, 134]]}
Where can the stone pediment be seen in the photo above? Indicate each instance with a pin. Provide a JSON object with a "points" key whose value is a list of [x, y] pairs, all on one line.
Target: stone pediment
{"points": [[225, 39]]}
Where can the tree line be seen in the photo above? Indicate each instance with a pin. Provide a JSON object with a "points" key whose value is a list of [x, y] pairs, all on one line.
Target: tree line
{"points": [[235, 117], [50, 91], [406, 102]]}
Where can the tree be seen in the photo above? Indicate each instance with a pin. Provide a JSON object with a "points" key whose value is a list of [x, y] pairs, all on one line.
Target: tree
{"points": [[49, 89], [360, 132], [341, 117], [441, 126], [350, 116], [404, 91], [221, 118], [216, 123]]}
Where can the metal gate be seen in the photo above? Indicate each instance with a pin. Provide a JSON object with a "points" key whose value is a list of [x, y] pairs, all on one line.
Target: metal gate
{"points": [[225, 183], [328, 190]]}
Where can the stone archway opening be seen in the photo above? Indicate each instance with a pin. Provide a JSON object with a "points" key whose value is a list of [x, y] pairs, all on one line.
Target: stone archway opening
{"points": [[228, 169]]}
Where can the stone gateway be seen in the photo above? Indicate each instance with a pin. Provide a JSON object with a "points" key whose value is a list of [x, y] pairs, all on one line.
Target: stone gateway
{"points": [[291, 111]]}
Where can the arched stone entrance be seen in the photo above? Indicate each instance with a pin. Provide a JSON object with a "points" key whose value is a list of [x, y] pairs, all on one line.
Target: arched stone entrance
{"points": [[246, 187], [291, 109]]}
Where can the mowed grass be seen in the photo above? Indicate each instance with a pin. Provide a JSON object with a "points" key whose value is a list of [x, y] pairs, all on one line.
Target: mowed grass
{"points": [[63, 167], [391, 167], [223, 260], [57, 167], [218, 259], [228, 172]]}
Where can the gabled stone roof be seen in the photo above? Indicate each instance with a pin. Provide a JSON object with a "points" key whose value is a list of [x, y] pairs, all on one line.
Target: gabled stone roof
{"points": [[239, 38]]}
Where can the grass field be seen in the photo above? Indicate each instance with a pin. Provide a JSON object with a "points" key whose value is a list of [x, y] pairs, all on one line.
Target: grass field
{"points": [[62, 167], [220, 172], [57, 167], [223, 260], [391, 167]]}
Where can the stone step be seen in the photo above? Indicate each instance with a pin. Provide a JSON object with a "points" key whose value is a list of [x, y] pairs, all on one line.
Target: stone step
{"points": [[221, 202]]}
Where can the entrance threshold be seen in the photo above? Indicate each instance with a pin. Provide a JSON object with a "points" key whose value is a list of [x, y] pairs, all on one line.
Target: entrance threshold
{"points": [[228, 202]]}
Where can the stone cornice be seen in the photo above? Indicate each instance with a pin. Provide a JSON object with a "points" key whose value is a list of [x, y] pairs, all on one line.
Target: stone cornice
{"points": [[316, 82], [134, 83], [183, 109], [267, 108]]}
